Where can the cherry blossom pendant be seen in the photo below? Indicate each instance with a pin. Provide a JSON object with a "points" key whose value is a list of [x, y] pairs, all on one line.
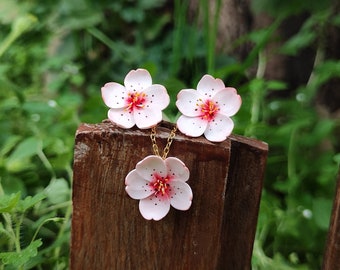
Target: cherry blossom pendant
{"points": [[159, 183]]}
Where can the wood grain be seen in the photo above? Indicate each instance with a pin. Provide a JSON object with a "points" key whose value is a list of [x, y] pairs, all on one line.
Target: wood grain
{"points": [[331, 258], [217, 232]]}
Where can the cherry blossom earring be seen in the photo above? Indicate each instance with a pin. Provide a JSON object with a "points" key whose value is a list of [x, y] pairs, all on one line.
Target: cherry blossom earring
{"points": [[138, 102], [208, 109], [157, 181]]}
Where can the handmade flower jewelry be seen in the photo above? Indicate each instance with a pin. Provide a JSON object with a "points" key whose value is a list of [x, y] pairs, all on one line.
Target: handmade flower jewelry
{"points": [[138, 102], [158, 182], [208, 110]]}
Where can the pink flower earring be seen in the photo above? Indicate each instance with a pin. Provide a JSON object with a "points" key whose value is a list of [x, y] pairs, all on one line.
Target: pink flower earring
{"points": [[138, 102], [157, 181], [208, 109]]}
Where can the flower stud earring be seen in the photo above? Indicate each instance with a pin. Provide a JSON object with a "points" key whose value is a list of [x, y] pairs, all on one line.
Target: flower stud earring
{"points": [[138, 102], [208, 109]]}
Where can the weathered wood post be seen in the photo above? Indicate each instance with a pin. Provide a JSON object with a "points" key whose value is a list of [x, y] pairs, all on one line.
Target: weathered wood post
{"points": [[331, 258], [217, 232]]}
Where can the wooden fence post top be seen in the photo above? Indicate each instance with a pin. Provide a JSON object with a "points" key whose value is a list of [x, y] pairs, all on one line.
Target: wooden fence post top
{"points": [[107, 127], [217, 232]]}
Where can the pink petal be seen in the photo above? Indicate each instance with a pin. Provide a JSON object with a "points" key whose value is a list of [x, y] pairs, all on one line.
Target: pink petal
{"points": [[154, 208], [187, 100], [191, 126], [177, 169], [137, 80], [156, 96], [181, 196], [219, 128], [114, 95], [122, 117], [208, 86], [147, 117], [228, 100], [137, 187], [151, 165]]}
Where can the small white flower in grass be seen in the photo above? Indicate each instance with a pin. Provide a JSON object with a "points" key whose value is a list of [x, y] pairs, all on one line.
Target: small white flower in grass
{"points": [[208, 109], [138, 102], [159, 183]]}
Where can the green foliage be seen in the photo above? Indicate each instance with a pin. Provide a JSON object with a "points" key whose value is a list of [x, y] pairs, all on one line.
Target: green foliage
{"points": [[18, 259], [55, 56]]}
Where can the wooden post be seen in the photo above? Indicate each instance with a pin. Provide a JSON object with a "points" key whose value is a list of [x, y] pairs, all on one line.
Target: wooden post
{"points": [[331, 258], [217, 232]]}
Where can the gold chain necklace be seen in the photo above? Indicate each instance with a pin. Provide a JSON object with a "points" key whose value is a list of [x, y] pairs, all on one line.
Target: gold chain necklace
{"points": [[168, 144]]}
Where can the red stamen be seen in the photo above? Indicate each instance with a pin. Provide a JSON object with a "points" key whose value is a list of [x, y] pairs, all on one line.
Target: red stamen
{"points": [[209, 110], [161, 186], [135, 100]]}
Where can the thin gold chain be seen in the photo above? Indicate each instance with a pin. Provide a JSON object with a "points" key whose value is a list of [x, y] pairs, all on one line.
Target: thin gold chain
{"points": [[168, 143]]}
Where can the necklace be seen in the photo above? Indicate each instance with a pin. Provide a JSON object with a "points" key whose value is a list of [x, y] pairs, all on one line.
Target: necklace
{"points": [[159, 181], [168, 143]]}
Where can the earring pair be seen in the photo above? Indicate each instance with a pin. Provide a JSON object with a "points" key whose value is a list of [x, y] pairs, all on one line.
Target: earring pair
{"points": [[204, 111]]}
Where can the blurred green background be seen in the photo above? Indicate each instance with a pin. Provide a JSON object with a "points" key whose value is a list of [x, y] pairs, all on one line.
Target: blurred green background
{"points": [[282, 56]]}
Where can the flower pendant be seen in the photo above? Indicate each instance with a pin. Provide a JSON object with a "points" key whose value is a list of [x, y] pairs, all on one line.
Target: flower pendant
{"points": [[159, 183]]}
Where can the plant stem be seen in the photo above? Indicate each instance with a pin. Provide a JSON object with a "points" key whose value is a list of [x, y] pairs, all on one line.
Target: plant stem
{"points": [[44, 222], [8, 225], [46, 162], [62, 229], [55, 207], [17, 233], [179, 14], [291, 161], [210, 29], [256, 96]]}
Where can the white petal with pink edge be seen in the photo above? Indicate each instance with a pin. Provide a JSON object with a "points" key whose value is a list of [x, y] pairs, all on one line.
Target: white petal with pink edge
{"points": [[219, 128], [156, 97], [137, 80], [147, 117], [137, 187], [208, 86], [187, 102], [228, 101], [122, 117], [154, 208], [192, 126], [114, 95], [151, 165], [177, 171], [181, 195]]}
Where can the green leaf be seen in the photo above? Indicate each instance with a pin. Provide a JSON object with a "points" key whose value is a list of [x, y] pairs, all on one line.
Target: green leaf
{"points": [[298, 42], [8, 202], [9, 144], [22, 257], [30, 201], [276, 85], [27, 148], [58, 191], [19, 158], [12, 184], [321, 212]]}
